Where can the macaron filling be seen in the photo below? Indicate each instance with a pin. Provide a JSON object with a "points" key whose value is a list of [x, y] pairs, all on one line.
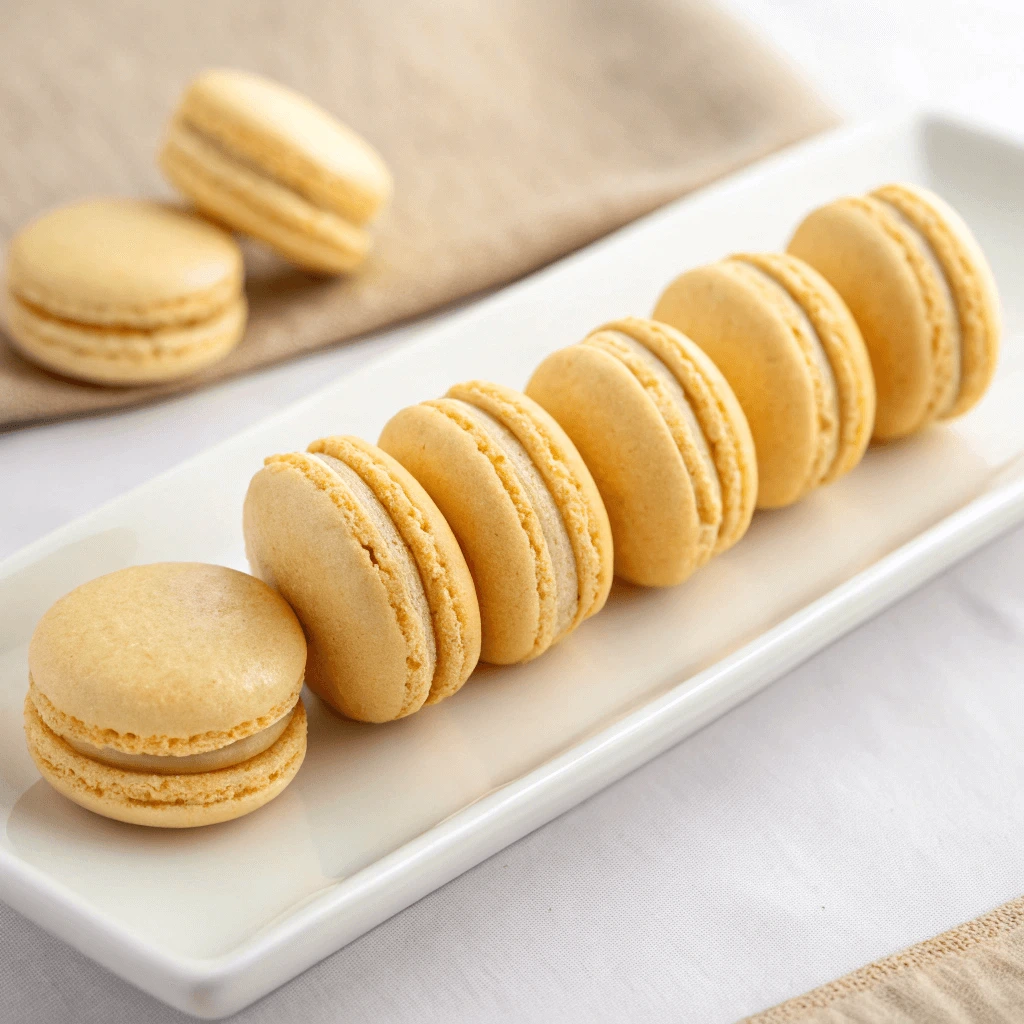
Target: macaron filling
{"points": [[191, 137], [378, 515], [121, 340], [829, 412], [671, 386], [187, 764], [931, 258], [553, 528]]}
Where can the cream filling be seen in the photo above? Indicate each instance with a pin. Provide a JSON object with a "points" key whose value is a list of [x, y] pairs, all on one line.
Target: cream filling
{"points": [[247, 164], [378, 515], [820, 356], [187, 764], [932, 259], [552, 526], [682, 404]]}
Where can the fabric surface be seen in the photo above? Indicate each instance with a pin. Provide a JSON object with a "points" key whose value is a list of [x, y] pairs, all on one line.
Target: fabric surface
{"points": [[516, 132], [972, 974]]}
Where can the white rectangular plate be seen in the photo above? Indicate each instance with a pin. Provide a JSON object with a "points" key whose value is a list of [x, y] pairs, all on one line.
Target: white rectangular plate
{"points": [[209, 920]]}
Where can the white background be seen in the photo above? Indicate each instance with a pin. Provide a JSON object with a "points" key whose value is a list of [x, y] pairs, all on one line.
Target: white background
{"points": [[864, 802]]}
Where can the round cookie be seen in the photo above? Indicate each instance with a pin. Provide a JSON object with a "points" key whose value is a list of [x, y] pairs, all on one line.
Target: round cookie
{"points": [[665, 439], [922, 293], [373, 572], [523, 506], [168, 695], [122, 292], [786, 343], [269, 162]]}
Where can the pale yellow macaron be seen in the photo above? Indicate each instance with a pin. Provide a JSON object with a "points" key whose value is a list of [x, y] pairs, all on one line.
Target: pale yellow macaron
{"points": [[168, 695], [922, 293], [523, 506], [124, 291], [787, 345], [373, 572], [666, 441], [269, 162]]}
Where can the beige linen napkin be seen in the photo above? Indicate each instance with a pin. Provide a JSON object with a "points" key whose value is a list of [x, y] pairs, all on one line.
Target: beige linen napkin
{"points": [[973, 974], [516, 132]]}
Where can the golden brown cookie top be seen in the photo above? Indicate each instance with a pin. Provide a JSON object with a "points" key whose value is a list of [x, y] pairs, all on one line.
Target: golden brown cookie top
{"points": [[169, 658]]}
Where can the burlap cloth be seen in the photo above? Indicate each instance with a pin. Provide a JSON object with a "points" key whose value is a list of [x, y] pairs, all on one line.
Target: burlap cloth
{"points": [[517, 131], [972, 974]]}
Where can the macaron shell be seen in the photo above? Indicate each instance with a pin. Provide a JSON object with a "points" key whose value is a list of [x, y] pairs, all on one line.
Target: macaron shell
{"points": [[493, 519], [744, 329], [847, 354], [875, 265], [306, 536], [629, 449], [567, 478], [289, 137], [124, 263], [310, 236], [720, 417], [970, 280], [166, 801], [443, 570], [108, 665], [123, 357]]}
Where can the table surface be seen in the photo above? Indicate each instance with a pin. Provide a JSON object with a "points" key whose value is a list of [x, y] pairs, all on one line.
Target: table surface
{"points": [[864, 802]]}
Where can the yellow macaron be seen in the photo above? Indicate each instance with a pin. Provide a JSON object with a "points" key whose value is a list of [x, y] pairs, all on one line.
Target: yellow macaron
{"points": [[123, 291], [787, 345], [921, 291], [168, 695], [666, 441], [523, 506], [269, 162], [373, 572]]}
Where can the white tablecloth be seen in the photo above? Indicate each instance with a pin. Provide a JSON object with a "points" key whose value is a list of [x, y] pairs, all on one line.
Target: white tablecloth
{"points": [[866, 801]]}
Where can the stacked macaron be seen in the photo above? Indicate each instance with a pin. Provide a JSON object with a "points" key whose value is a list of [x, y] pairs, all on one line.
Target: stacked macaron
{"points": [[919, 287], [374, 573], [123, 291], [792, 353], [268, 162], [523, 506], [127, 292], [665, 439], [168, 695]]}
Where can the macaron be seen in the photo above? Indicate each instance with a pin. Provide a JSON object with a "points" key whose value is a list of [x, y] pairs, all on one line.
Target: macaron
{"points": [[665, 439], [269, 162], [921, 291], [523, 506], [792, 353], [374, 573], [168, 695], [124, 291]]}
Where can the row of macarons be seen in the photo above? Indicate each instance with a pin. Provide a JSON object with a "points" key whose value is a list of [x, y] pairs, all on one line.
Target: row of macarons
{"points": [[489, 523], [123, 291]]}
